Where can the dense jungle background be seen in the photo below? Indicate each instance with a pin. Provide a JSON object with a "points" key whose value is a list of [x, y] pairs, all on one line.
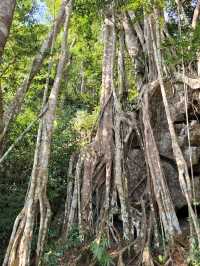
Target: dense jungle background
{"points": [[99, 132]]}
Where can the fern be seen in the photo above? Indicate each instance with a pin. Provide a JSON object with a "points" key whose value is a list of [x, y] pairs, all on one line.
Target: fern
{"points": [[99, 250]]}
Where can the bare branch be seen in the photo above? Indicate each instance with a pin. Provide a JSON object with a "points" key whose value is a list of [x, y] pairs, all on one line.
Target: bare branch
{"points": [[5, 155]]}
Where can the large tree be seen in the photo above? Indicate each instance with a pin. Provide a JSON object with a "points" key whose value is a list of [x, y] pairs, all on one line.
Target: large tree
{"points": [[102, 186], [102, 183]]}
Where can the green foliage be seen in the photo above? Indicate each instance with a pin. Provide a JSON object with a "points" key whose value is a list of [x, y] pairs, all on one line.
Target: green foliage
{"points": [[133, 93], [73, 238], [63, 144], [185, 47], [83, 123], [11, 199], [183, 41], [86, 57], [99, 249], [55, 250], [24, 41], [194, 257], [53, 6]]}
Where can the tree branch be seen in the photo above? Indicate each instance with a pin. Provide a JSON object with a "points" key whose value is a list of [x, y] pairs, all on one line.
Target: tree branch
{"points": [[5, 155]]}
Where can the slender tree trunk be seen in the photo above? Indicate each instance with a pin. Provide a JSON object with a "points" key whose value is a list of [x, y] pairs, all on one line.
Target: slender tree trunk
{"points": [[69, 192], [161, 191], [195, 19], [7, 8], [196, 15], [75, 204], [184, 178], [20, 244], [120, 179], [15, 106], [123, 86]]}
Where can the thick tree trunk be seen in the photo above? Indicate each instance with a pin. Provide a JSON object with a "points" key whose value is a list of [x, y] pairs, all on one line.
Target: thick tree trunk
{"points": [[104, 136], [20, 243], [100, 171], [105, 130]]}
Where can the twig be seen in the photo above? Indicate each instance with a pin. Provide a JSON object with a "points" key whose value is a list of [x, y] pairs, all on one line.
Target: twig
{"points": [[5, 155]]}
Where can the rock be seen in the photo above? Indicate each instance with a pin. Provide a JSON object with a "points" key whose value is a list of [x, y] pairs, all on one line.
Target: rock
{"points": [[165, 145], [195, 134], [173, 183], [136, 162], [171, 176], [195, 155], [137, 174]]}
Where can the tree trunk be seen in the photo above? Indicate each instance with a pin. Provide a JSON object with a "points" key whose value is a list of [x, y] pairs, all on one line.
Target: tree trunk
{"points": [[123, 86], [162, 195], [184, 178], [104, 136], [7, 8], [20, 243], [15, 106]]}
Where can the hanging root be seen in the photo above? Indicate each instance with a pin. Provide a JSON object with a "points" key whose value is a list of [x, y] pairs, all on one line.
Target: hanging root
{"points": [[184, 177], [69, 193], [70, 209], [100, 178], [166, 208], [45, 215], [16, 234]]}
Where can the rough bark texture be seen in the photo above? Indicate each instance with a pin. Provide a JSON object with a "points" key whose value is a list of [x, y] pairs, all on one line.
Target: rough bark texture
{"points": [[104, 179]]}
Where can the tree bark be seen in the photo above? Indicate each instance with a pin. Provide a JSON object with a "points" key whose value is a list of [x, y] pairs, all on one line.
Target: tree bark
{"points": [[196, 15], [7, 8], [104, 136], [123, 86], [184, 178], [162, 195], [20, 243], [15, 106]]}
